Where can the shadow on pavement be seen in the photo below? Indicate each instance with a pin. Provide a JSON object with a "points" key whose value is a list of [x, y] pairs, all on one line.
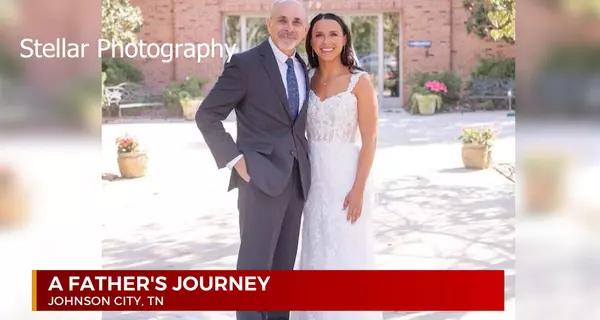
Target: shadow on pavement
{"points": [[407, 130], [462, 227]]}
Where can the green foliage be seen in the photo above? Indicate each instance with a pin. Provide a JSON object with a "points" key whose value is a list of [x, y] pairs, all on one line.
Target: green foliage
{"points": [[363, 29], [79, 95], [190, 88], [10, 65], [257, 31], [120, 70], [480, 136], [453, 82], [495, 68], [491, 19], [577, 8], [120, 21], [419, 90], [391, 26], [184, 95], [83, 88], [583, 58]]}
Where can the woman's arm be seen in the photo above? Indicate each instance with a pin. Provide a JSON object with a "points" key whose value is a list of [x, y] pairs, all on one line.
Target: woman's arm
{"points": [[367, 122], [368, 115]]}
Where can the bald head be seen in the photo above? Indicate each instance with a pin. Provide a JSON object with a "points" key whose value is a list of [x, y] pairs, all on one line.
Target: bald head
{"points": [[288, 24], [293, 3]]}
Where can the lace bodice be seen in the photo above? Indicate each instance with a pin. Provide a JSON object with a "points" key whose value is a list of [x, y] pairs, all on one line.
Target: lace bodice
{"points": [[334, 119]]}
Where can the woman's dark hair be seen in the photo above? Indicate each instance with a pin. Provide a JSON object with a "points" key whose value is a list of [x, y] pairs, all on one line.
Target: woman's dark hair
{"points": [[347, 55]]}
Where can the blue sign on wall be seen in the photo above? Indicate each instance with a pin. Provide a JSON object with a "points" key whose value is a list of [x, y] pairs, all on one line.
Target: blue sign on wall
{"points": [[422, 44]]}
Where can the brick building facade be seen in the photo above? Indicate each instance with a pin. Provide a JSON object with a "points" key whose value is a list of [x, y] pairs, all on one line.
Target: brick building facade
{"points": [[382, 31]]}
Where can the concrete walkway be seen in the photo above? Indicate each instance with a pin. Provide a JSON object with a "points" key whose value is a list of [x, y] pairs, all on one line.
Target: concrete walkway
{"points": [[433, 214]]}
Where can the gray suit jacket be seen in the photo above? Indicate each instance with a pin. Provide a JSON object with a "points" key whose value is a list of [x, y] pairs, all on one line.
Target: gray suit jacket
{"points": [[267, 136]]}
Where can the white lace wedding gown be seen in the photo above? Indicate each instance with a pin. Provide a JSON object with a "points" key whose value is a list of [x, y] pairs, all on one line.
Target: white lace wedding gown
{"points": [[329, 241]]}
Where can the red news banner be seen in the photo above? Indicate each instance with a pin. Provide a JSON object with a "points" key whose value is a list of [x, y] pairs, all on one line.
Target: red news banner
{"points": [[268, 290]]}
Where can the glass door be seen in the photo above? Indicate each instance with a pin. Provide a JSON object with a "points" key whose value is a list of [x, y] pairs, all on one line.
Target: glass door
{"points": [[256, 32], [376, 40], [392, 88], [365, 42]]}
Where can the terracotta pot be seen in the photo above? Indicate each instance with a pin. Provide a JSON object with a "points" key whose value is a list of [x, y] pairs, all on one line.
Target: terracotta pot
{"points": [[14, 204], [427, 103], [544, 183], [542, 194], [476, 156], [132, 164], [189, 107]]}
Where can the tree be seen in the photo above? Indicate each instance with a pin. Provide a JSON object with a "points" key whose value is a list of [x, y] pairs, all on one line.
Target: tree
{"points": [[120, 21], [491, 19]]}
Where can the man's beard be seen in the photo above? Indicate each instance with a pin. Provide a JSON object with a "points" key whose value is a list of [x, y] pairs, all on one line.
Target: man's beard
{"points": [[287, 41]]}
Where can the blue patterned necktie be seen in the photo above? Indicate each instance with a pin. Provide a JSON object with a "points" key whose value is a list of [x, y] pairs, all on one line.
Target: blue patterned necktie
{"points": [[292, 89]]}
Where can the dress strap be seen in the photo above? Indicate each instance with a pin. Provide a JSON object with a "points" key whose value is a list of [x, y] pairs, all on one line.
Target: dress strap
{"points": [[354, 79]]}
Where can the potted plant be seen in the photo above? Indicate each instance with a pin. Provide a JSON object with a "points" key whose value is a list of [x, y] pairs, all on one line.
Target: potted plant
{"points": [[132, 161], [14, 200], [477, 147], [544, 180], [189, 104], [185, 97], [428, 99]]}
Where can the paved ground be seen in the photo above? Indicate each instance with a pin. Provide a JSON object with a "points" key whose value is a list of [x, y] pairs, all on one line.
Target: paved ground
{"points": [[433, 214]]}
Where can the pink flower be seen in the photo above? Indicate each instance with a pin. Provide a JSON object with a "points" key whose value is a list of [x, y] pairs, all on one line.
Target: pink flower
{"points": [[436, 86]]}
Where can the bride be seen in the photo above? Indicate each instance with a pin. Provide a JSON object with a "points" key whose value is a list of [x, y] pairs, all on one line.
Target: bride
{"points": [[342, 131]]}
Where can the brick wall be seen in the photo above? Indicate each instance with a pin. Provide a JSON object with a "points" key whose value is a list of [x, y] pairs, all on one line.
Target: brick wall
{"points": [[158, 28], [440, 21], [467, 49]]}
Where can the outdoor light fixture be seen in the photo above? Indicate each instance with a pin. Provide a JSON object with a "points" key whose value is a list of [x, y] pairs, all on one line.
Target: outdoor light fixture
{"points": [[510, 112]]}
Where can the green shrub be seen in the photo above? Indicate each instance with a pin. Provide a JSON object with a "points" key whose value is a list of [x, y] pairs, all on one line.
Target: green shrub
{"points": [[120, 70], [79, 94], [584, 58], [10, 65], [495, 67], [190, 87], [418, 79]]}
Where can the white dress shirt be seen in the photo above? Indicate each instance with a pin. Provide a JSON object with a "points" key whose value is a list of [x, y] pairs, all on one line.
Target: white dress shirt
{"points": [[281, 58]]}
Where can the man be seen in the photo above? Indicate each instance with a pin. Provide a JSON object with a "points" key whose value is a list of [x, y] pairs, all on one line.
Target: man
{"points": [[267, 86]]}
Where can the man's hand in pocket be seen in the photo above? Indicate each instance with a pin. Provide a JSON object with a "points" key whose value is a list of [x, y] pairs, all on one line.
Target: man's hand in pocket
{"points": [[240, 166]]}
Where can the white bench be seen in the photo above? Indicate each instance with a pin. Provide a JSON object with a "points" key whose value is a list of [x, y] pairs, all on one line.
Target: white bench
{"points": [[130, 95]]}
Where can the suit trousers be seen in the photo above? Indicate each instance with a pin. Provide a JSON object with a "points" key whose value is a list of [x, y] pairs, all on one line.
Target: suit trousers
{"points": [[269, 232]]}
